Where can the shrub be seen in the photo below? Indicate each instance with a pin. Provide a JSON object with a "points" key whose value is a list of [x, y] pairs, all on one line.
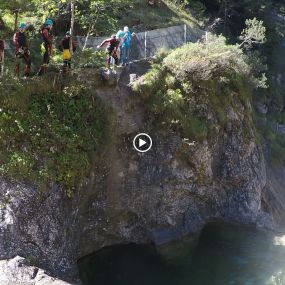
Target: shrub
{"points": [[48, 134], [188, 84], [206, 60]]}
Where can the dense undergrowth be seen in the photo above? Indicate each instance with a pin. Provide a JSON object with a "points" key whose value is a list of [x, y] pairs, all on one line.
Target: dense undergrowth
{"points": [[167, 13], [191, 88], [48, 132], [99, 18]]}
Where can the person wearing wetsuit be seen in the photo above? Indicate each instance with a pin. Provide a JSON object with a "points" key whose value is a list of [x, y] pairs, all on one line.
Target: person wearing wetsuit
{"points": [[126, 45], [65, 48], [22, 50], [46, 33], [112, 47], [2, 48]]}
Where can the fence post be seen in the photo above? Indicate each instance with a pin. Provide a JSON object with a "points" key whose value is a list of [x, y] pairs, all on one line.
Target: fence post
{"points": [[207, 42], [145, 45], [185, 33]]}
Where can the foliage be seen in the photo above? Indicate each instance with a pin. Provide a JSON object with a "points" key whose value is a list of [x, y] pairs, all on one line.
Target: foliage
{"points": [[97, 17], [254, 33], [12, 4], [234, 13], [194, 7], [90, 58], [194, 83], [47, 133], [202, 61]]}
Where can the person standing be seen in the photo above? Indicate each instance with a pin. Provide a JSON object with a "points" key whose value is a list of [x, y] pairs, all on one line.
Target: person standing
{"points": [[47, 38], [111, 50], [2, 55], [65, 48], [22, 50], [120, 36], [126, 46]]}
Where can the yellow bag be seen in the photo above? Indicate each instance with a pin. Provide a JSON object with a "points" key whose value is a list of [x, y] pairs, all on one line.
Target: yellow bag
{"points": [[66, 55]]}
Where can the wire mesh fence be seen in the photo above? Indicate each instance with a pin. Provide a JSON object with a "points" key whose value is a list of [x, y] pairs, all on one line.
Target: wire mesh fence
{"points": [[144, 44]]}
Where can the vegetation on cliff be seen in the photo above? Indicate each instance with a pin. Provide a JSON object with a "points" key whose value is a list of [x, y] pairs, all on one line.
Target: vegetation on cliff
{"points": [[95, 18], [48, 132], [191, 88]]}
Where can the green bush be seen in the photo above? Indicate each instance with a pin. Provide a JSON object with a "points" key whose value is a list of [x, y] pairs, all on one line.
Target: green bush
{"points": [[202, 61], [90, 58], [185, 85], [48, 134]]}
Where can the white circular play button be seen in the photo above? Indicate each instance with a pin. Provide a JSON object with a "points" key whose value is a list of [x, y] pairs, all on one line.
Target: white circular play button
{"points": [[142, 142]]}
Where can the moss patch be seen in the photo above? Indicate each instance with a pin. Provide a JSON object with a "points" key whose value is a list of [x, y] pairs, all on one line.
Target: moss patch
{"points": [[48, 132]]}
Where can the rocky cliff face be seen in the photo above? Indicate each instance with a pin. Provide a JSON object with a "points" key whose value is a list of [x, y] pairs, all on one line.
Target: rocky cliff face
{"points": [[169, 192], [16, 271]]}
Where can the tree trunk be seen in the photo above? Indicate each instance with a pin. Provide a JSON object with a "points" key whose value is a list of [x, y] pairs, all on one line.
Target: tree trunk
{"points": [[72, 5], [16, 20]]}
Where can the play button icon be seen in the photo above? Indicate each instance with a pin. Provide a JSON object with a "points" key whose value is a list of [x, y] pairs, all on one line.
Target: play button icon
{"points": [[142, 142]]}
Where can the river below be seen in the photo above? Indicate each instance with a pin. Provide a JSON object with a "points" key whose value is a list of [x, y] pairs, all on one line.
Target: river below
{"points": [[221, 255]]}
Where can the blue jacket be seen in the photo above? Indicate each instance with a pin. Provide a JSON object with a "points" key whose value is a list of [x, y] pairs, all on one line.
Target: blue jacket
{"points": [[128, 40]]}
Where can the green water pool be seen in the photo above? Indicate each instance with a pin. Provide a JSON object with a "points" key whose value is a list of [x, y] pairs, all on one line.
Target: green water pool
{"points": [[221, 255]]}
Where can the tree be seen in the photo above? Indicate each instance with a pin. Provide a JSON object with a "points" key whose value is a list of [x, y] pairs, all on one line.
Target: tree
{"points": [[254, 33], [14, 7], [95, 16], [72, 8], [12, 4]]}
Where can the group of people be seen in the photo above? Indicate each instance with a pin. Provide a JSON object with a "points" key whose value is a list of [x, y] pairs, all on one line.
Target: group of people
{"points": [[118, 47], [22, 49]]}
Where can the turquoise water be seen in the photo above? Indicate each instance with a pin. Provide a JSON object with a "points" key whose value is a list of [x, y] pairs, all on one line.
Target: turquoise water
{"points": [[222, 255]]}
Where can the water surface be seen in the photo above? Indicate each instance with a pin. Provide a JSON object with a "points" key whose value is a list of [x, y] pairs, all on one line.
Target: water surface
{"points": [[222, 255]]}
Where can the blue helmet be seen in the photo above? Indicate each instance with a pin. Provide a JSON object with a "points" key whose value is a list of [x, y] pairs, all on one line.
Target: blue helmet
{"points": [[48, 22], [22, 26]]}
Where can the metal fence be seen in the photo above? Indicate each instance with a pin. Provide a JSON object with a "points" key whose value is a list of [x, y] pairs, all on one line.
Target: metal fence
{"points": [[144, 44]]}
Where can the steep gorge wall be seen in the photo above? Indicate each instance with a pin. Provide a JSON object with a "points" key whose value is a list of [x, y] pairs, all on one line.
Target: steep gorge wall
{"points": [[165, 194], [274, 193]]}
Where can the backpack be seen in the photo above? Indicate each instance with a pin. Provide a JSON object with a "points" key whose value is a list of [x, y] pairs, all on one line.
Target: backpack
{"points": [[43, 28]]}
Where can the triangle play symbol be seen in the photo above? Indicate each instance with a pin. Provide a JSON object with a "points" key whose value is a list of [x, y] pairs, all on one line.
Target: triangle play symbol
{"points": [[141, 142]]}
